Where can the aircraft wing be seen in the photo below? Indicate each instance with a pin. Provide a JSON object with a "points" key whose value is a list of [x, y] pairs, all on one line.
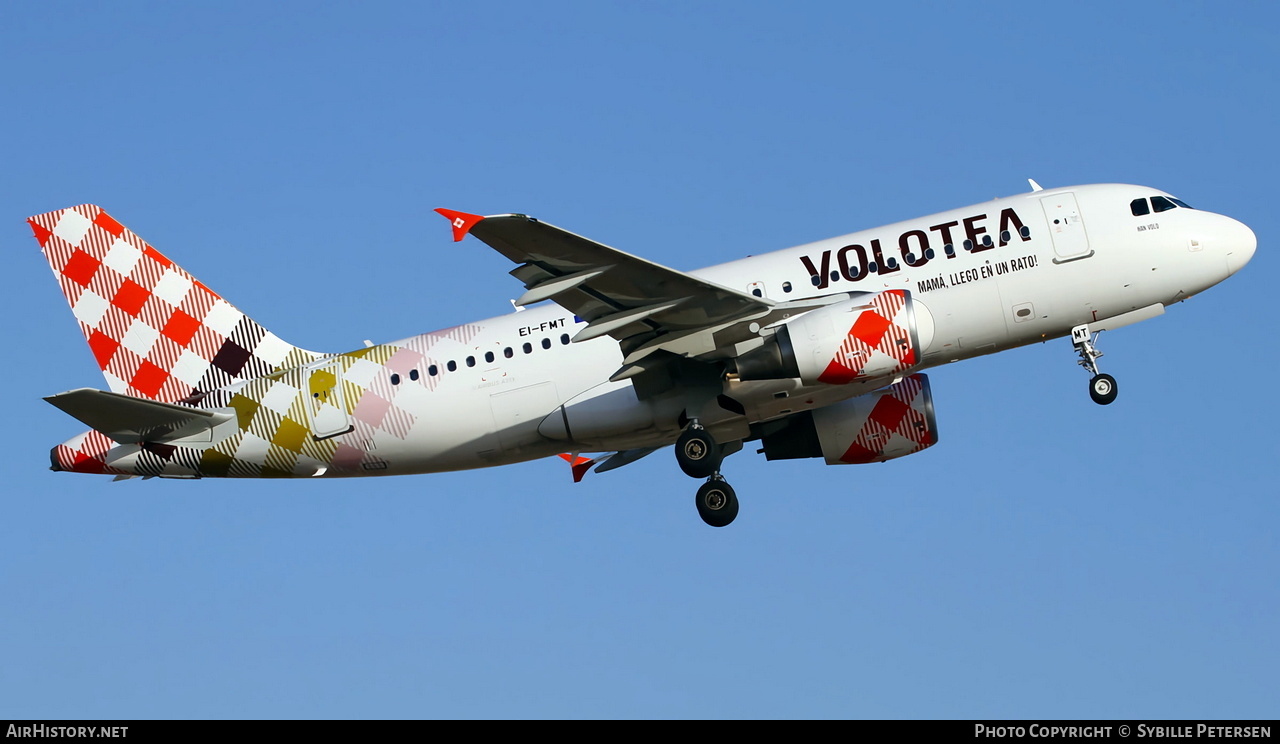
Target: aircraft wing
{"points": [[130, 420], [616, 293]]}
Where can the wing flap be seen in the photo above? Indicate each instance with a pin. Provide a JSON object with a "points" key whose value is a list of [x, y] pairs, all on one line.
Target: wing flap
{"points": [[129, 420], [599, 283], [548, 288]]}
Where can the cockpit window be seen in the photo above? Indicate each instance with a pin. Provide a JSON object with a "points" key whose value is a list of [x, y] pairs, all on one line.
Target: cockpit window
{"points": [[1181, 203], [1139, 207], [1162, 203]]}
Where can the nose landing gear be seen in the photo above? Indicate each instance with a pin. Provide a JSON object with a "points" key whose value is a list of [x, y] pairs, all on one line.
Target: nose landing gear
{"points": [[1102, 387]]}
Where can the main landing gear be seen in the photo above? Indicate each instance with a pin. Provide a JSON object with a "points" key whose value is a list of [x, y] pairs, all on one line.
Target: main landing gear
{"points": [[717, 503], [697, 452], [1102, 388], [700, 456]]}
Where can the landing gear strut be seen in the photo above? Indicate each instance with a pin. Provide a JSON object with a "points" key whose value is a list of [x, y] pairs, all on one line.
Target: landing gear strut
{"points": [[1102, 388]]}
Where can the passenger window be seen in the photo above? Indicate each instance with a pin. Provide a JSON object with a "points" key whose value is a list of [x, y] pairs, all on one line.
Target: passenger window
{"points": [[1162, 204], [395, 379], [528, 348], [433, 370], [471, 361], [1139, 207], [488, 356], [786, 287], [546, 343], [413, 374], [452, 366], [757, 292], [564, 339], [508, 353]]}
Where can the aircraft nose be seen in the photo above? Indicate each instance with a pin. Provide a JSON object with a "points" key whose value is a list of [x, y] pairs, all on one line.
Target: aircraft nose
{"points": [[1240, 243]]}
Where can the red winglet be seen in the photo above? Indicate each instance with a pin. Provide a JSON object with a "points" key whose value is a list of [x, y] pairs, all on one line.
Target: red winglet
{"points": [[42, 233], [461, 221], [580, 466]]}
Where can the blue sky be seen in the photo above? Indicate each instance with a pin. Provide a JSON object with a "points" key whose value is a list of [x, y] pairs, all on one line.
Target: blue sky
{"points": [[1049, 558]]}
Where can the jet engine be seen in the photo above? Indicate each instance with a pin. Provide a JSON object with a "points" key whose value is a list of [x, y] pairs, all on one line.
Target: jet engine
{"points": [[883, 425], [872, 335]]}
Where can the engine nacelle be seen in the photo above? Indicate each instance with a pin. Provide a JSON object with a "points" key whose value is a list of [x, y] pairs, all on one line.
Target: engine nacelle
{"points": [[872, 335], [875, 427]]}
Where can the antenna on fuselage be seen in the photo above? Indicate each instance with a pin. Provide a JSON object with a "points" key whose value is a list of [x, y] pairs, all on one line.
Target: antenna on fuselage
{"points": [[1034, 186]]}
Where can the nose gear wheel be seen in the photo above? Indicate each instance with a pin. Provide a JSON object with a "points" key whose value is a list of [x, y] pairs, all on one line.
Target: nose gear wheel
{"points": [[1102, 388]]}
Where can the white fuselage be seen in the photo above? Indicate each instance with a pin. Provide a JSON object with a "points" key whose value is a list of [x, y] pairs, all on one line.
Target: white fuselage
{"points": [[1036, 265]]}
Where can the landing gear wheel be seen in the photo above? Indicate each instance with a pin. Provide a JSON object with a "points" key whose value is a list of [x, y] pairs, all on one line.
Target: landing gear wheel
{"points": [[1102, 388], [717, 503], [697, 453]]}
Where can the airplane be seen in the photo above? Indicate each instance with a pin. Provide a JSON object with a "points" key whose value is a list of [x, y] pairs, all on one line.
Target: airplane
{"points": [[815, 351]]}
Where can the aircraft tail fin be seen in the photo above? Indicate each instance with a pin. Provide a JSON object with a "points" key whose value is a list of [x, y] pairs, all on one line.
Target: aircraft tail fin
{"points": [[156, 331]]}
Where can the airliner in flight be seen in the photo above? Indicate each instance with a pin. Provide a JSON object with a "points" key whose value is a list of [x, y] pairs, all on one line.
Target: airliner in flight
{"points": [[816, 351]]}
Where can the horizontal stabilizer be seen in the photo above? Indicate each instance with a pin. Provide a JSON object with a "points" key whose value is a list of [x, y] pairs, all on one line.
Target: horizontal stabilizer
{"points": [[129, 420]]}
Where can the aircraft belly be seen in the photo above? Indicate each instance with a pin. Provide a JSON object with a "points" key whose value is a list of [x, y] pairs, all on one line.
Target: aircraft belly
{"points": [[517, 414], [600, 416]]}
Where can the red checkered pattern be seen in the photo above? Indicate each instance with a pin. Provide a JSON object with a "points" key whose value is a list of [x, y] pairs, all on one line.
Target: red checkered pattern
{"points": [[897, 425], [879, 339], [155, 331], [86, 453]]}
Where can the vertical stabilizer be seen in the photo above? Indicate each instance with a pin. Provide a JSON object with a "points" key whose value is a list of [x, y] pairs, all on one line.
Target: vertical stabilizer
{"points": [[155, 330]]}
